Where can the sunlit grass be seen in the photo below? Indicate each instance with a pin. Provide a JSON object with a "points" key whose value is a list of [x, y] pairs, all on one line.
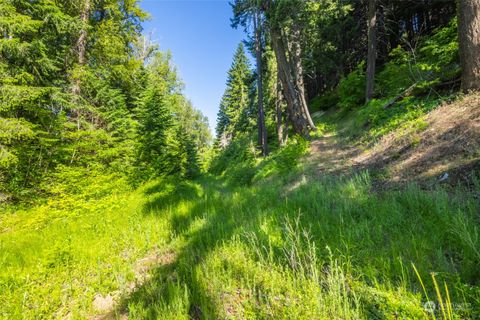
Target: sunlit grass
{"points": [[330, 248]]}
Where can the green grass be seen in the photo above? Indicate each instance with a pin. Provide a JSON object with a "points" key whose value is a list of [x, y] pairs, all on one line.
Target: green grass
{"points": [[56, 256], [329, 248]]}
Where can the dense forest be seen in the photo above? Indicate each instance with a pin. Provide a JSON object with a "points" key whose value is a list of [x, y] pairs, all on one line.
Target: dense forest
{"points": [[84, 93], [342, 180]]}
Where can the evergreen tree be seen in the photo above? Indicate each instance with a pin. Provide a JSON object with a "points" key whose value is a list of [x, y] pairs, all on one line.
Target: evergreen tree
{"points": [[34, 38], [78, 94], [231, 118]]}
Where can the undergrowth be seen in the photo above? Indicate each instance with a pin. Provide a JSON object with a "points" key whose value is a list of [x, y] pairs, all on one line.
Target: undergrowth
{"points": [[284, 247], [327, 248], [430, 68]]}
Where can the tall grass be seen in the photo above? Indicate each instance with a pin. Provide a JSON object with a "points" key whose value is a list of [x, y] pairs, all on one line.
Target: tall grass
{"points": [[331, 248], [328, 248]]}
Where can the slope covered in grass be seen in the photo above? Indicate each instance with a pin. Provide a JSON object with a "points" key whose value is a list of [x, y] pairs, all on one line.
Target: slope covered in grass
{"points": [[288, 246]]}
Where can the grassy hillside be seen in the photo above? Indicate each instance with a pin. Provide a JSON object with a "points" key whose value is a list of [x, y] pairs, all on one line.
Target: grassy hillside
{"points": [[288, 237]]}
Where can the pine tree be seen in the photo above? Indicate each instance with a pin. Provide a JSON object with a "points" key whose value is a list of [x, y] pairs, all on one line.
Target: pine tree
{"points": [[33, 40], [155, 122], [231, 118]]}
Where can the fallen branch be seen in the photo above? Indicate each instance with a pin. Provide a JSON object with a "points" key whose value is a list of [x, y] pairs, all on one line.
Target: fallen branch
{"points": [[406, 92]]}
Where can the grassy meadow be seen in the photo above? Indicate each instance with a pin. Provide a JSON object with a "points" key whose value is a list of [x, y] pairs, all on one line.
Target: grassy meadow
{"points": [[283, 248]]}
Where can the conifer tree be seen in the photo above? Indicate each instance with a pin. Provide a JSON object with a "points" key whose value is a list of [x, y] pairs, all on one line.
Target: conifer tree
{"points": [[75, 96], [235, 102], [33, 40]]}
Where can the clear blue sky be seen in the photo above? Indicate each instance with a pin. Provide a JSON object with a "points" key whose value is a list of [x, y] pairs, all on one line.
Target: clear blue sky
{"points": [[198, 34]]}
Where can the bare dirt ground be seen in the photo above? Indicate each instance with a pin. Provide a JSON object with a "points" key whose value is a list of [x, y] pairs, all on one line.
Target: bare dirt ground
{"points": [[447, 150]]}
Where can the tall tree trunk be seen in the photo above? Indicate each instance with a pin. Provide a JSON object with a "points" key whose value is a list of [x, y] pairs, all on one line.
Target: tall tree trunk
{"points": [[80, 46], [281, 129], [469, 43], [372, 48], [294, 109], [297, 68], [382, 39], [262, 132]]}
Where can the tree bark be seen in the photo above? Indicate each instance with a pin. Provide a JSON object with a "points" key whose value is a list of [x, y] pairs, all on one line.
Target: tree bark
{"points": [[80, 46], [281, 129], [297, 68], [469, 43], [372, 49], [295, 110], [262, 132]]}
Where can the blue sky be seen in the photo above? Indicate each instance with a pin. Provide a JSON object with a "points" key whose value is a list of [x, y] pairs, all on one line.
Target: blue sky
{"points": [[198, 34]]}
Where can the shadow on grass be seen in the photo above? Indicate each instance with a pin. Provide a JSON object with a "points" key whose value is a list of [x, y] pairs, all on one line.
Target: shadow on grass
{"points": [[340, 213], [164, 194], [165, 290]]}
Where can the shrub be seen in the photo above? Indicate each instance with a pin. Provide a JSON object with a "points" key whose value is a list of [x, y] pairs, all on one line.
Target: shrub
{"points": [[351, 89], [395, 75], [287, 158], [239, 150], [435, 61], [241, 174]]}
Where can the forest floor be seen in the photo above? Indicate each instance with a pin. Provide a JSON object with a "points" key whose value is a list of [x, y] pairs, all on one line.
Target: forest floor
{"points": [[311, 243]]}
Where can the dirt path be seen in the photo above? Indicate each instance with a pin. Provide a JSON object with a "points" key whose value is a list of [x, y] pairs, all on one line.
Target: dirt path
{"points": [[333, 154], [108, 306]]}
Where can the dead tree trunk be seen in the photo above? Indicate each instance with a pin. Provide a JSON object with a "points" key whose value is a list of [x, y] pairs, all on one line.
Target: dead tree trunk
{"points": [[469, 43], [372, 48]]}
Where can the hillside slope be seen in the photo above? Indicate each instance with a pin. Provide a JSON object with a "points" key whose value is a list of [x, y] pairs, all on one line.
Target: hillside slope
{"points": [[444, 146], [311, 239]]}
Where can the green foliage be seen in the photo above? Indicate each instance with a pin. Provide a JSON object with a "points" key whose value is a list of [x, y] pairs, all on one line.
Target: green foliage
{"points": [[439, 57], [156, 148], [351, 90], [103, 114], [435, 61], [325, 101], [284, 160], [240, 166], [232, 117], [239, 151], [395, 75]]}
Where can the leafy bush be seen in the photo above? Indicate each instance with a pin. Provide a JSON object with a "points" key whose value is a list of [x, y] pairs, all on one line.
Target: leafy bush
{"points": [[395, 75], [240, 174], [439, 55], [287, 158], [435, 61], [239, 150], [351, 89]]}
